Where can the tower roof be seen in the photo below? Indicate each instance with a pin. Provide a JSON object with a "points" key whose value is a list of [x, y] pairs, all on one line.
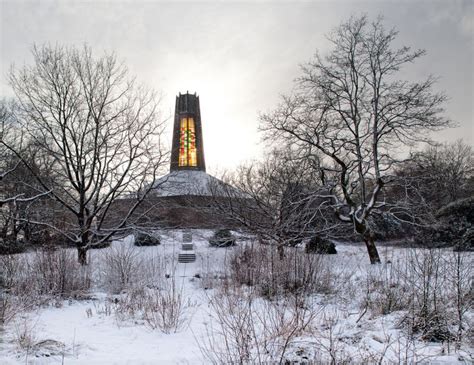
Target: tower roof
{"points": [[188, 182], [186, 103]]}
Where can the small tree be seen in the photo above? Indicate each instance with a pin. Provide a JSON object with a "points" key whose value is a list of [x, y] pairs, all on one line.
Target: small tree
{"points": [[274, 199], [98, 131], [350, 108]]}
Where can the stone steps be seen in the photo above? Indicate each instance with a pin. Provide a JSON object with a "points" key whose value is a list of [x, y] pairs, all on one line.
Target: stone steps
{"points": [[187, 237], [186, 256], [187, 246]]}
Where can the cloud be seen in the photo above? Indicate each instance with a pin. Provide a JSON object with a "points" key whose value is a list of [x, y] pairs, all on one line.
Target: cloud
{"points": [[238, 56], [467, 24]]}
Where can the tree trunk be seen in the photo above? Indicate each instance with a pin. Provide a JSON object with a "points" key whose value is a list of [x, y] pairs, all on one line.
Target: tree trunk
{"points": [[83, 245], [281, 252], [82, 255], [369, 240], [372, 250]]}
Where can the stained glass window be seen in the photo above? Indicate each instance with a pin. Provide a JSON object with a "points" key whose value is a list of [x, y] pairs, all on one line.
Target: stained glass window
{"points": [[187, 143]]}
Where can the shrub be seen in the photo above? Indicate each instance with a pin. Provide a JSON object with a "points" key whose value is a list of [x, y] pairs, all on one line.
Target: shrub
{"points": [[427, 283], [11, 246], [10, 268], [386, 227], [40, 238], [385, 289], [146, 239], [45, 238], [11, 304], [121, 267], [453, 227], [466, 243], [249, 330], [261, 267], [166, 309], [57, 272], [222, 238], [320, 246]]}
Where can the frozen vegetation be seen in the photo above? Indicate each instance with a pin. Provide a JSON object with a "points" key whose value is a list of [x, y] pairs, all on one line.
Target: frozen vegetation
{"points": [[242, 304]]}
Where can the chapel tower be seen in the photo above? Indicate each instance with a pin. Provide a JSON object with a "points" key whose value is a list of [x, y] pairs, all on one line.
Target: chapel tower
{"points": [[187, 151]]}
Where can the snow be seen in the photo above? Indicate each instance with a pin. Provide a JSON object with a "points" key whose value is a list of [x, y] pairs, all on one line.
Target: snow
{"points": [[101, 339], [84, 332], [186, 182]]}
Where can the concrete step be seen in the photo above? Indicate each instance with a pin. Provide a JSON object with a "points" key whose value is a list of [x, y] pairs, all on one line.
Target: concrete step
{"points": [[186, 260], [187, 246], [186, 256]]}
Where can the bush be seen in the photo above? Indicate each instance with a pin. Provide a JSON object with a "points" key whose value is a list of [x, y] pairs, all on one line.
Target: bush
{"points": [[386, 227], [386, 291], [261, 267], [121, 267], [222, 238], [146, 239], [467, 242], [454, 226], [40, 238], [10, 246], [47, 239], [320, 246], [56, 272], [166, 309], [458, 209]]}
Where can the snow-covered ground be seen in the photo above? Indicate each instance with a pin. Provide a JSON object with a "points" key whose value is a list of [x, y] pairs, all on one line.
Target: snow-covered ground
{"points": [[89, 332]]}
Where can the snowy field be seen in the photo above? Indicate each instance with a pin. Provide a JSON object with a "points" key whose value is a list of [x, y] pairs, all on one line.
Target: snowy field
{"points": [[350, 311]]}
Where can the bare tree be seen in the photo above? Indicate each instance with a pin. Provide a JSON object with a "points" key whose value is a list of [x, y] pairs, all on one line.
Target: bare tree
{"points": [[97, 129], [447, 168], [8, 163], [19, 190], [349, 107], [274, 199], [434, 191]]}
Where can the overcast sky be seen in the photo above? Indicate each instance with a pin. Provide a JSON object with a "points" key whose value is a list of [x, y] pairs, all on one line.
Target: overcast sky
{"points": [[241, 56]]}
